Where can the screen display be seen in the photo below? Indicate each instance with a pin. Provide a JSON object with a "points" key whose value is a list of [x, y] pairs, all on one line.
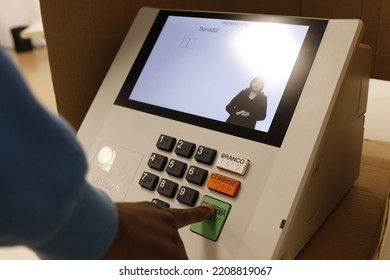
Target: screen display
{"points": [[237, 74]]}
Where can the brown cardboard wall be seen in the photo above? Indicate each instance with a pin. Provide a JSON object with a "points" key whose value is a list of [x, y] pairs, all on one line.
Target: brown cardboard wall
{"points": [[83, 38], [375, 15], [382, 59], [278, 7], [84, 35]]}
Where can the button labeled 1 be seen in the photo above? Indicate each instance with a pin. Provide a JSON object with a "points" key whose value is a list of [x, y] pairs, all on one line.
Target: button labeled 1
{"points": [[212, 227]]}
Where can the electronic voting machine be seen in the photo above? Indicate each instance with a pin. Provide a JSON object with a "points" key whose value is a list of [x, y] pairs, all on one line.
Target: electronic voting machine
{"points": [[261, 116]]}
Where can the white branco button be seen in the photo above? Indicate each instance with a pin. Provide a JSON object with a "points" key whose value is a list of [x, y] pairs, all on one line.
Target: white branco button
{"points": [[232, 163]]}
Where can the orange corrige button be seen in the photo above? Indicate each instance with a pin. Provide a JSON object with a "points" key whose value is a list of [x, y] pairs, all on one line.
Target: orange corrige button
{"points": [[223, 184]]}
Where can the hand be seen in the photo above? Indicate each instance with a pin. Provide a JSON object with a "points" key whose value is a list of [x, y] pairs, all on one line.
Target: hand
{"points": [[146, 231], [243, 113]]}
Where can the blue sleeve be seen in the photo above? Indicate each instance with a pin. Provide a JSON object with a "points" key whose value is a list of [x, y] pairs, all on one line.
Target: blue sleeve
{"points": [[45, 201]]}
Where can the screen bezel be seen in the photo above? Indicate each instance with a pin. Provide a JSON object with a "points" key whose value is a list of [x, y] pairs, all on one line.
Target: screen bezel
{"points": [[288, 102]]}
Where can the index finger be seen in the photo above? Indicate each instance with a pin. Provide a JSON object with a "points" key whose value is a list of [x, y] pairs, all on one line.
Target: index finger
{"points": [[189, 216]]}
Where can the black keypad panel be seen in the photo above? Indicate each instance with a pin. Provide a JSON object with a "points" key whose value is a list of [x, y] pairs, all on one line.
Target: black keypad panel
{"points": [[196, 175], [166, 143], [176, 168], [185, 148], [149, 181], [167, 188], [187, 196], [160, 203], [177, 159], [205, 155], [157, 161]]}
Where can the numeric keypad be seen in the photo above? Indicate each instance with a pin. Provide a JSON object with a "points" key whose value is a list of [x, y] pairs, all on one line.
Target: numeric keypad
{"points": [[174, 168]]}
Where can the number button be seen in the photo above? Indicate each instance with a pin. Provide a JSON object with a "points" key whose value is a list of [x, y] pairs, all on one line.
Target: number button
{"points": [[187, 196], [157, 161], [205, 155], [196, 175], [176, 168], [167, 188], [148, 181], [160, 203], [185, 149], [166, 143]]}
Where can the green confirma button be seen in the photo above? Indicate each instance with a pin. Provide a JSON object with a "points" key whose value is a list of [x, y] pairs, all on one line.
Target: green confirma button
{"points": [[212, 227]]}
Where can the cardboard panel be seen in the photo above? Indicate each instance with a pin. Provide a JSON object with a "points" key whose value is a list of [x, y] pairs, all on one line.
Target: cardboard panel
{"points": [[277, 7], [366, 10], [332, 8], [246, 6], [283, 7], [371, 20], [382, 66], [83, 38], [384, 29]]}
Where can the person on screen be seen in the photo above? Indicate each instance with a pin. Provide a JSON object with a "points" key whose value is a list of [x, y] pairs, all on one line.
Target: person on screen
{"points": [[46, 203], [249, 106]]}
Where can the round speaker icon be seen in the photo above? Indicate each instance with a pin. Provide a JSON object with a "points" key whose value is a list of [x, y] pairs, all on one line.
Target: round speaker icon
{"points": [[106, 158]]}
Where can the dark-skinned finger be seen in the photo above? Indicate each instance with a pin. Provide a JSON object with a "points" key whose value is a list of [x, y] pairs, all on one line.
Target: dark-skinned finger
{"points": [[189, 216]]}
